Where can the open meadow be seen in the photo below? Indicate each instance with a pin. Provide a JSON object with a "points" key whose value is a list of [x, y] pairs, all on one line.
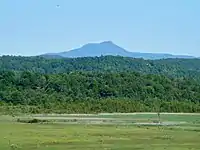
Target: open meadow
{"points": [[100, 131]]}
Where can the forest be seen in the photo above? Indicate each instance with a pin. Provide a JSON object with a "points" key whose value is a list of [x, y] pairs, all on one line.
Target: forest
{"points": [[168, 67], [92, 92]]}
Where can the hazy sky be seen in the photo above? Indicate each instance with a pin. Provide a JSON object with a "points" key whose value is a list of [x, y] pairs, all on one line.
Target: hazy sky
{"points": [[32, 27]]}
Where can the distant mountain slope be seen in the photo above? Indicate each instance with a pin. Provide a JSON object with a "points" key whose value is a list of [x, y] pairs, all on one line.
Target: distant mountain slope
{"points": [[109, 48]]}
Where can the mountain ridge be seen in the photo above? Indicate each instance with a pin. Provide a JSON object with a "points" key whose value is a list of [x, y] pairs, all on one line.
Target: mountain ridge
{"points": [[109, 48]]}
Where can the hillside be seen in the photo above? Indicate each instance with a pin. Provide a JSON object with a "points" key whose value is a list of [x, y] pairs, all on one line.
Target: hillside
{"points": [[169, 67], [108, 48], [100, 84]]}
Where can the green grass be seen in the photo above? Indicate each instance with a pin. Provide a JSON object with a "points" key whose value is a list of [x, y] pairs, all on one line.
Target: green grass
{"points": [[59, 136]]}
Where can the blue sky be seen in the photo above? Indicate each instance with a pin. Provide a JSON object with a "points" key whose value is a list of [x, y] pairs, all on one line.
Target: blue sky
{"points": [[32, 27]]}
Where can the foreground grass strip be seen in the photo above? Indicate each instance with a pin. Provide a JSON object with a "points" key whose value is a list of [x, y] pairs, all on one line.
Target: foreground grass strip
{"points": [[26, 136]]}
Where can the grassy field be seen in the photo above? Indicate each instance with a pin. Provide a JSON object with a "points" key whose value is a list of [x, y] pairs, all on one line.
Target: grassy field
{"points": [[77, 135]]}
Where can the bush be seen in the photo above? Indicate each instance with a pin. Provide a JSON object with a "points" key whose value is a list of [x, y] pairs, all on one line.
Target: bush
{"points": [[32, 121]]}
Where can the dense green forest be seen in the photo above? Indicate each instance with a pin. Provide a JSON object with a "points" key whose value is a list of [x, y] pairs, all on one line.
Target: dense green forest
{"points": [[84, 92], [170, 67]]}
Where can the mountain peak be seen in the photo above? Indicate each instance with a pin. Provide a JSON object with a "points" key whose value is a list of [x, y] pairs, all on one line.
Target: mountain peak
{"points": [[107, 42]]}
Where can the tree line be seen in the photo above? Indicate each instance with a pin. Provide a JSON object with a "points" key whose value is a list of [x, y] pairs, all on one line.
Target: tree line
{"points": [[85, 92], [169, 67]]}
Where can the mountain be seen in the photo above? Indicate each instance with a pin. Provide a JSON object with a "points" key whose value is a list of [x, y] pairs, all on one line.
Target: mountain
{"points": [[109, 48]]}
